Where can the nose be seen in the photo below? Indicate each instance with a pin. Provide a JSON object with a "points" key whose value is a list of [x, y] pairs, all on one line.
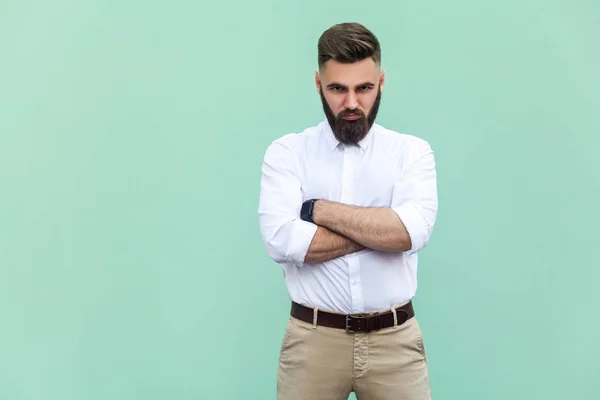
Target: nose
{"points": [[351, 101]]}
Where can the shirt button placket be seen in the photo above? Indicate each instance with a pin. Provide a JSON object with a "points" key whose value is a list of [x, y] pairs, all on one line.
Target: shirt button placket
{"points": [[351, 160]]}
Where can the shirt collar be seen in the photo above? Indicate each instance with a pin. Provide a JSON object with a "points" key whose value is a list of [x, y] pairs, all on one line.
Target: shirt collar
{"points": [[332, 142]]}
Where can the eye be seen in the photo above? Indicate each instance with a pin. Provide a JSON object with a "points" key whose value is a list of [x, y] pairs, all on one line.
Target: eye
{"points": [[364, 88]]}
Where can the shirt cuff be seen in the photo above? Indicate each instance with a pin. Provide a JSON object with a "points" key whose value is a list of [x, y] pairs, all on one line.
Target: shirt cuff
{"points": [[415, 225], [300, 239]]}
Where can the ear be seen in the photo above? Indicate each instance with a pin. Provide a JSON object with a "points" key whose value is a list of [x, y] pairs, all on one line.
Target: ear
{"points": [[318, 81], [381, 80]]}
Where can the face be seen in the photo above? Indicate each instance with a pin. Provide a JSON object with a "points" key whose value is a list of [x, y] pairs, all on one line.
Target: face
{"points": [[350, 94]]}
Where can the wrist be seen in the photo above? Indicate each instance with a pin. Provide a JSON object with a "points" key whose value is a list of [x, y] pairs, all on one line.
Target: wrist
{"points": [[319, 212]]}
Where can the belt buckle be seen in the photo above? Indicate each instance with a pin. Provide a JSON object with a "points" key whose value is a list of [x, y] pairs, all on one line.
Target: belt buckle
{"points": [[349, 317]]}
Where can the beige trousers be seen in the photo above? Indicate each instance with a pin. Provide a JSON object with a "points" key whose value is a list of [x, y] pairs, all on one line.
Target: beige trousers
{"points": [[321, 363]]}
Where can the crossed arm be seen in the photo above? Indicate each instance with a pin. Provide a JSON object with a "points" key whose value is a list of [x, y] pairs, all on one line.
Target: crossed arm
{"points": [[344, 229], [340, 229]]}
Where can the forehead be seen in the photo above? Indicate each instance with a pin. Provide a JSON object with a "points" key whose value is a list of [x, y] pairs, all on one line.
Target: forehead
{"points": [[349, 74]]}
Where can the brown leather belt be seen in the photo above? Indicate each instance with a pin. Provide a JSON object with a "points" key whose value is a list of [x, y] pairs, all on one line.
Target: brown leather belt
{"points": [[351, 323]]}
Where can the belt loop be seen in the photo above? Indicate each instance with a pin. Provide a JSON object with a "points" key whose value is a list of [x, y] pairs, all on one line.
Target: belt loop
{"points": [[395, 318], [315, 313]]}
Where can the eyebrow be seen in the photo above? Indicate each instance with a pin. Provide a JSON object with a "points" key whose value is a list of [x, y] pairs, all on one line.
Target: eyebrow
{"points": [[334, 84]]}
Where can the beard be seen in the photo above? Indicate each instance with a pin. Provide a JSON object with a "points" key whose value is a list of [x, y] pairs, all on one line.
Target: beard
{"points": [[351, 132]]}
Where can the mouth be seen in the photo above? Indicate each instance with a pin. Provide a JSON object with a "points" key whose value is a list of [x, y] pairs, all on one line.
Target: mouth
{"points": [[351, 117]]}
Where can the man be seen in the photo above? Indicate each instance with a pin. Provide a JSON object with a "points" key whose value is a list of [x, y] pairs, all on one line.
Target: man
{"points": [[344, 208]]}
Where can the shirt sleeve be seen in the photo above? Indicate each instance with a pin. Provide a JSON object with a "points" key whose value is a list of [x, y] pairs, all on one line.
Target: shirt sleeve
{"points": [[415, 198], [286, 237]]}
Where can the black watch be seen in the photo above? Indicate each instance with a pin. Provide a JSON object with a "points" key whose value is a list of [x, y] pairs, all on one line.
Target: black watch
{"points": [[306, 212]]}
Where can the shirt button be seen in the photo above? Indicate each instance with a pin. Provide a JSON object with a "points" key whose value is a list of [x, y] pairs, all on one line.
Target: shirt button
{"points": [[354, 283]]}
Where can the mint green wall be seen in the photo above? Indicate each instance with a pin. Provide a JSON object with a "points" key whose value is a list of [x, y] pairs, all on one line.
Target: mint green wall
{"points": [[131, 140]]}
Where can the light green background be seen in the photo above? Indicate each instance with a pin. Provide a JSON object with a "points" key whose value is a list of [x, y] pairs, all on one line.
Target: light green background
{"points": [[132, 136]]}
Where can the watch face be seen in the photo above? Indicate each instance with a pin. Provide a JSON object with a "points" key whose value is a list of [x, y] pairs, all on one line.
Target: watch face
{"points": [[306, 211]]}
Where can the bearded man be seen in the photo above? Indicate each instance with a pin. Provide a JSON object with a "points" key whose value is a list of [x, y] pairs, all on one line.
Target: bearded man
{"points": [[345, 206]]}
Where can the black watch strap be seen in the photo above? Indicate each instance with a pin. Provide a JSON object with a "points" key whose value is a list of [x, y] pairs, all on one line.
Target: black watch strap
{"points": [[306, 212]]}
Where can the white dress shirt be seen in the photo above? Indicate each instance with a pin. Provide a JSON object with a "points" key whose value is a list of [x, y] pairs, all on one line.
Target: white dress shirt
{"points": [[386, 169]]}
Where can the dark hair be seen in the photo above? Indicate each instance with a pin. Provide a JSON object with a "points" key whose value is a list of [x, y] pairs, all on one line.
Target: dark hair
{"points": [[347, 43]]}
